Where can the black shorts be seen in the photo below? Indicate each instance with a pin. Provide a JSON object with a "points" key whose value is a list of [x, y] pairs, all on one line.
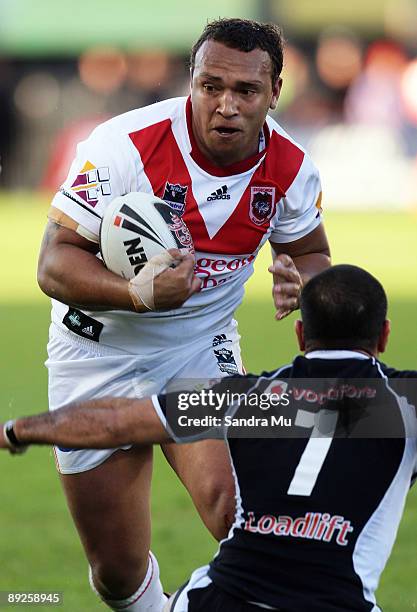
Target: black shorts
{"points": [[210, 599]]}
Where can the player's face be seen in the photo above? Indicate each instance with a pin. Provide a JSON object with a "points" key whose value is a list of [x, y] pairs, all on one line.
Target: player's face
{"points": [[231, 93]]}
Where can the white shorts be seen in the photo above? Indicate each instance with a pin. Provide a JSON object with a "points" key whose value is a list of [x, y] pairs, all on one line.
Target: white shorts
{"points": [[81, 369]]}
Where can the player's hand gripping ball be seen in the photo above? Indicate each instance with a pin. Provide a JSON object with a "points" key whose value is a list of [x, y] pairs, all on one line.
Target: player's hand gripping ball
{"points": [[135, 234], [137, 226]]}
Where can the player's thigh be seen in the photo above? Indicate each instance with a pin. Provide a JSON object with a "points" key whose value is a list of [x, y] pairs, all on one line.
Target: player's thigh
{"points": [[110, 507], [204, 467], [78, 373], [107, 490], [205, 470], [203, 464]]}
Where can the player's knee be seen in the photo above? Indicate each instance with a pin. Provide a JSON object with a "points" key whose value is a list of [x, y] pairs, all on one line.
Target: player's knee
{"points": [[117, 578]]}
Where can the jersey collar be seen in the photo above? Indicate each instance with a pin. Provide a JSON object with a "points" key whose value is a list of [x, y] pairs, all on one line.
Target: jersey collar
{"points": [[336, 354], [207, 165]]}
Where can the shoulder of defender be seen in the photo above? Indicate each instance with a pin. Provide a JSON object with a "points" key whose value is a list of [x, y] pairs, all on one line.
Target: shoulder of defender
{"points": [[390, 372]]}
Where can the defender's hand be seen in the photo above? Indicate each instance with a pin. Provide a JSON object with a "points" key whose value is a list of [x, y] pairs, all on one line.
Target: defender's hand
{"points": [[8, 439], [3, 443], [287, 285]]}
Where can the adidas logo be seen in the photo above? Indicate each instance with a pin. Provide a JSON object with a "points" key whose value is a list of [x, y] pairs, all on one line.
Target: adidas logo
{"points": [[219, 194], [88, 330]]}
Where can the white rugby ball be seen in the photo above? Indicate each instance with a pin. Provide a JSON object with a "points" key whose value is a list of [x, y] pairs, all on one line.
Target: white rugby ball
{"points": [[137, 226]]}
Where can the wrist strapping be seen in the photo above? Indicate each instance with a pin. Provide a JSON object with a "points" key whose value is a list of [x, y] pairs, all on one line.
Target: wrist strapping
{"points": [[141, 286], [15, 447]]}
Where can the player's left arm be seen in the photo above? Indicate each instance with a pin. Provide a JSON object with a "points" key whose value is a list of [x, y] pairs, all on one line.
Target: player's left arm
{"points": [[298, 238], [101, 423], [294, 264]]}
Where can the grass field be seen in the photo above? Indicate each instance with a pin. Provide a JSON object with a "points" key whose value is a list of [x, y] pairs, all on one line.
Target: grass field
{"points": [[39, 548]]}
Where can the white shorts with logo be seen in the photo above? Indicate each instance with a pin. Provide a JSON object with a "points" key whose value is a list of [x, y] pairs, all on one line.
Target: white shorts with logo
{"points": [[81, 369]]}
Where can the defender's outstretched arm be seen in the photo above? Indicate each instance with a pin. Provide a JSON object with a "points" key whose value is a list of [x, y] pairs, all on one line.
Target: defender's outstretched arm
{"points": [[101, 423]]}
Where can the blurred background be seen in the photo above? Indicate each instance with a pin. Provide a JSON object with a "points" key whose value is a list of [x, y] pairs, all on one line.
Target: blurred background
{"points": [[349, 96]]}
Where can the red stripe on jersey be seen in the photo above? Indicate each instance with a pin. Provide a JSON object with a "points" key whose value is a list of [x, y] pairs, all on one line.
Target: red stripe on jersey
{"points": [[283, 161], [151, 142], [278, 170], [163, 161]]}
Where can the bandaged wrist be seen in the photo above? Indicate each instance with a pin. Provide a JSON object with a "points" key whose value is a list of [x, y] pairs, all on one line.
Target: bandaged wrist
{"points": [[141, 286]]}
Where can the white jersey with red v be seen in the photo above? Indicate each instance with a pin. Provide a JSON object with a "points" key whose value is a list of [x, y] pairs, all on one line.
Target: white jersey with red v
{"points": [[230, 211]]}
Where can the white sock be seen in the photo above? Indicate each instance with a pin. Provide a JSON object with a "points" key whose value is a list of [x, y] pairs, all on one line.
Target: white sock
{"points": [[148, 598]]}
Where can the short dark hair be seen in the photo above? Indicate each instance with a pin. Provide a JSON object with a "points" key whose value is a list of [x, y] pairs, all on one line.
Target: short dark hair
{"points": [[343, 307], [245, 35]]}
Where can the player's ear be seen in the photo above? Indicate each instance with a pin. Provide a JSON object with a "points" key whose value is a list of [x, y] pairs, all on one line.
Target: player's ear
{"points": [[384, 335], [276, 90], [299, 332]]}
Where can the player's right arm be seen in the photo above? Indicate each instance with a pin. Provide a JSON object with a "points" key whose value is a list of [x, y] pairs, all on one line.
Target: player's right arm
{"points": [[107, 422], [70, 272], [110, 422]]}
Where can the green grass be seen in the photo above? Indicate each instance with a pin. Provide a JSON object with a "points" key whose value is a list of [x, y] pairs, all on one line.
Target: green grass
{"points": [[39, 548]]}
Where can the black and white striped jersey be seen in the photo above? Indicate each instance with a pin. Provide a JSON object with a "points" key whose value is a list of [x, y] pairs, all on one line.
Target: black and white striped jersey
{"points": [[317, 513]]}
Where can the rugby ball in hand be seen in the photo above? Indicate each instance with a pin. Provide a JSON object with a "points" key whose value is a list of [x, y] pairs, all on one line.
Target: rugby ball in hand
{"points": [[137, 226]]}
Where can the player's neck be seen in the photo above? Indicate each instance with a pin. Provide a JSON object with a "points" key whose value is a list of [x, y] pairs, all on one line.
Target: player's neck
{"points": [[219, 167], [221, 159]]}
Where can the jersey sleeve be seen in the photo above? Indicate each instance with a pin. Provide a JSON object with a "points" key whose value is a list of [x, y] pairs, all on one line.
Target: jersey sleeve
{"points": [[99, 173], [299, 211], [189, 416]]}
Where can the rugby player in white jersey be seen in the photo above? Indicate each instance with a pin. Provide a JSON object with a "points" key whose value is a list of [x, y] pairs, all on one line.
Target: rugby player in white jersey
{"points": [[238, 180]]}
